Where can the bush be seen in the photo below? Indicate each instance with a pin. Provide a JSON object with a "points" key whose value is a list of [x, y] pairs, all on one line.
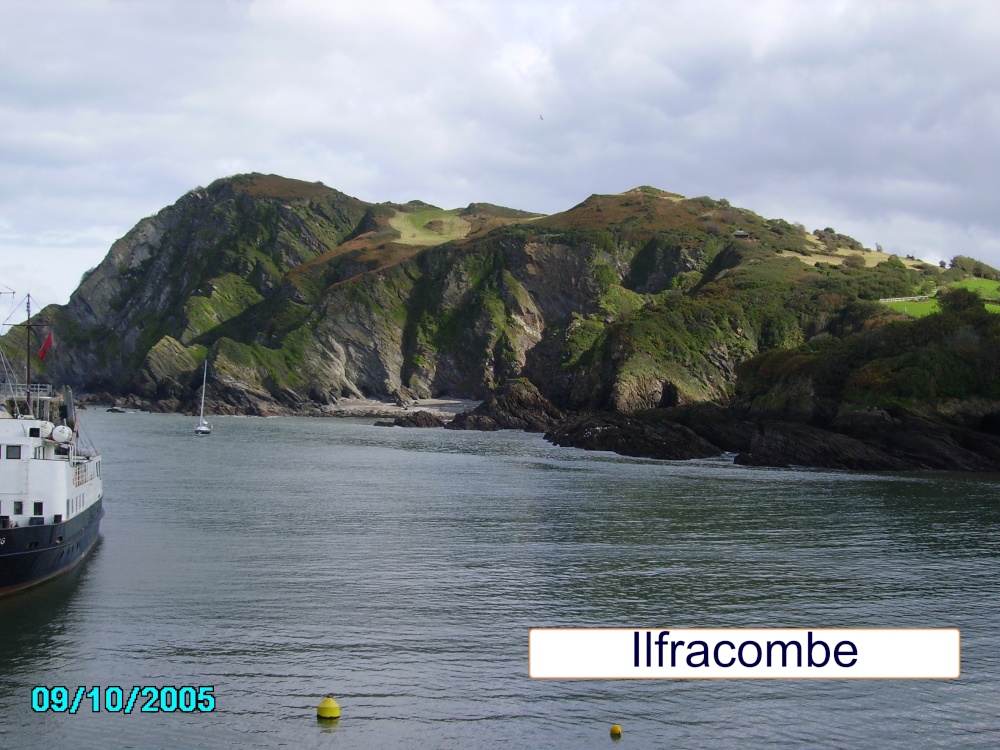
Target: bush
{"points": [[958, 299]]}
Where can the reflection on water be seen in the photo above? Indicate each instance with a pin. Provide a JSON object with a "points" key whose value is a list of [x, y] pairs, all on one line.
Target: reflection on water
{"points": [[35, 620], [284, 559]]}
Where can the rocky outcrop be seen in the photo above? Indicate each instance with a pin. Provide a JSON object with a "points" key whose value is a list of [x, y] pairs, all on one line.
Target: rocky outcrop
{"points": [[713, 423], [872, 442], [167, 369], [904, 446], [415, 419], [632, 436], [784, 444], [517, 405], [470, 421]]}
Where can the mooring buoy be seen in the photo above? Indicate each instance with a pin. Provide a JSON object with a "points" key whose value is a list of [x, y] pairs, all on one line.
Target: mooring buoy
{"points": [[328, 708]]}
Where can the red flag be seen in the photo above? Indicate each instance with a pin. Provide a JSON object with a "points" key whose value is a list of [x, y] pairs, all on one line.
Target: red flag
{"points": [[45, 347]]}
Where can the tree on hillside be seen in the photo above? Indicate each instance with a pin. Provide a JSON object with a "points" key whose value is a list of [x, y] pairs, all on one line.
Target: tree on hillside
{"points": [[958, 299]]}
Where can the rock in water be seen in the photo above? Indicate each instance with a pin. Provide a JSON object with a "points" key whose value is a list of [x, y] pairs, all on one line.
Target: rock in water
{"points": [[516, 405], [630, 436], [416, 419], [470, 421]]}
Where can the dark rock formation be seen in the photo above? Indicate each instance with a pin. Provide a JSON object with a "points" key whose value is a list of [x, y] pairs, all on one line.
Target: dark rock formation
{"points": [[415, 419], [633, 436], [165, 406], [471, 421], [903, 445], [868, 441], [714, 423], [516, 405], [783, 444], [684, 432]]}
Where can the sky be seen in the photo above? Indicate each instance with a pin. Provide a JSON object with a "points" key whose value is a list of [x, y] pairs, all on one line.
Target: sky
{"points": [[879, 119]]}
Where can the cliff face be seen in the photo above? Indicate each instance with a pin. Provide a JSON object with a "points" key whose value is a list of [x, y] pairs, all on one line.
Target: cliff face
{"points": [[450, 321], [142, 320], [299, 295]]}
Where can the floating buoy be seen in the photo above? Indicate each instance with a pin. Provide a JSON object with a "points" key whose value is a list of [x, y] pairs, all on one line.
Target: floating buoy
{"points": [[328, 708], [616, 731]]}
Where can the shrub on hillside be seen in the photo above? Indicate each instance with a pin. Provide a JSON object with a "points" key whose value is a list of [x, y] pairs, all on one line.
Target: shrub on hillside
{"points": [[959, 299]]}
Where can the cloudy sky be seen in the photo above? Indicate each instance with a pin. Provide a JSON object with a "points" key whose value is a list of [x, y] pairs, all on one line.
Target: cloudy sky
{"points": [[880, 119]]}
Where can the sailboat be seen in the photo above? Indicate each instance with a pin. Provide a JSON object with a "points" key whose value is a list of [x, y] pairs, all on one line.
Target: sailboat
{"points": [[203, 428]]}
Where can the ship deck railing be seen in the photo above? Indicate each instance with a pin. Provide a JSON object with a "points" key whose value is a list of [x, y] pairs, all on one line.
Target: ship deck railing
{"points": [[16, 390]]}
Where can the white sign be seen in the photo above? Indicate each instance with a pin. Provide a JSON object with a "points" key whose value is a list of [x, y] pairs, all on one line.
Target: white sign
{"points": [[642, 654]]}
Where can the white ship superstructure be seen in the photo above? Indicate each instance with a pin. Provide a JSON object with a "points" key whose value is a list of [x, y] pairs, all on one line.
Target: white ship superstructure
{"points": [[50, 493]]}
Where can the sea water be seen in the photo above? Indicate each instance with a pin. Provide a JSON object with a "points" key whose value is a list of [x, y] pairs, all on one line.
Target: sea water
{"points": [[279, 560]]}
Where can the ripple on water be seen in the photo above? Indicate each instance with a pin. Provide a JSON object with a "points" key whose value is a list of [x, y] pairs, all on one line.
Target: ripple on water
{"points": [[283, 559]]}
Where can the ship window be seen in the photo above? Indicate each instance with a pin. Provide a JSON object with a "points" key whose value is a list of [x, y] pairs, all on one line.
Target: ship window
{"points": [[14, 452], [18, 508], [38, 509]]}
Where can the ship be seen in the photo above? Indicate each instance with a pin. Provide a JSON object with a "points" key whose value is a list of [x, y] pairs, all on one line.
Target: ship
{"points": [[51, 492]]}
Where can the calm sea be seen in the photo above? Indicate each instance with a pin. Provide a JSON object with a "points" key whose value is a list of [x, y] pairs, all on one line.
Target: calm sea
{"points": [[400, 570]]}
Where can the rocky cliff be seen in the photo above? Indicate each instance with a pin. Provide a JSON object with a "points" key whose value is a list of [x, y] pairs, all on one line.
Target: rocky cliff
{"points": [[216, 262]]}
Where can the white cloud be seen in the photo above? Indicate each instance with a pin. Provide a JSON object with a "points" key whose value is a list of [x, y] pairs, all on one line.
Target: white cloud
{"points": [[877, 118]]}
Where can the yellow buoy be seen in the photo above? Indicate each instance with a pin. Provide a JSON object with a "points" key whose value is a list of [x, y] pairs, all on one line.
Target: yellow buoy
{"points": [[616, 730], [328, 708]]}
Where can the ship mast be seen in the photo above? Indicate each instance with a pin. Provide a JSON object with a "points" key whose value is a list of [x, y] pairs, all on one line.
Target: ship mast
{"points": [[27, 325], [27, 359]]}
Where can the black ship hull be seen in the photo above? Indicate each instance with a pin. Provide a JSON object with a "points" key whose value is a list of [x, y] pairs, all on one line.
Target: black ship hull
{"points": [[32, 554]]}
